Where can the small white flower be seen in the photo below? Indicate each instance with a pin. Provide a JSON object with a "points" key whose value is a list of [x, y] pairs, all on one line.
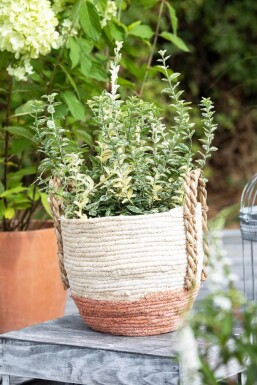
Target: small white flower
{"points": [[110, 12], [162, 52], [222, 302], [67, 28], [17, 72], [233, 277]]}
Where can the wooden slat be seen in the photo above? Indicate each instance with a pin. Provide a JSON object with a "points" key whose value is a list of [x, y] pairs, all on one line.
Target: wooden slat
{"points": [[85, 365]]}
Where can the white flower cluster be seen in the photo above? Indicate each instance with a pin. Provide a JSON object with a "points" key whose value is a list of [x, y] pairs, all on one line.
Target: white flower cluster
{"points": [[110, 12], [67, 29], [114, 70], [28, 30], [188, 356], [220, 276]]}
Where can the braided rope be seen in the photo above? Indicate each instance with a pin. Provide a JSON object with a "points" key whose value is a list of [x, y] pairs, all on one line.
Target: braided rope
{"points": [[55, 209], [191, 192], [202, 196]]}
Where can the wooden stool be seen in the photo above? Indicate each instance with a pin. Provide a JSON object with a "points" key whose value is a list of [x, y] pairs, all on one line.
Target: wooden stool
{"points": [[66, 350]]}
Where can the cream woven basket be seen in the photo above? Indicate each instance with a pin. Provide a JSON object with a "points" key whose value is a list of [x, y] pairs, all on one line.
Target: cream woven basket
{"points": [[136, 275]]}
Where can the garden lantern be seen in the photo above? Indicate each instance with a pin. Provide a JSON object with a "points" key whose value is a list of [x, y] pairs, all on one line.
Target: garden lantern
{"points": [[248, 226]]}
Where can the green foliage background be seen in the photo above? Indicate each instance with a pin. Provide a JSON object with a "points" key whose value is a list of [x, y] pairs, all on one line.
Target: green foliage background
{"points": [[221, 36]]}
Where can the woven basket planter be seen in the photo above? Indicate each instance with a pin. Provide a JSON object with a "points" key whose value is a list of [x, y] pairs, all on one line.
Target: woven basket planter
{"points": [[135, 275]]}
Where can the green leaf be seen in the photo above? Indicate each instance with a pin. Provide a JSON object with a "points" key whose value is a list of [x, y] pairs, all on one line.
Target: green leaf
{"points": [[85, 136], [115, 31], [20, 144], [90, 21], [85, 45], [85, 64], [175, 40], [45, 203], [101, 4], [21, 173], [34, 193], [2, 208], [20, 131], [70, 80], [26, 108], [1, 187], [12, 191], [134, 209], [142, 31], [74, 52], [9, 213], [75, 106], [98, 72], [133, 25], [126, 83], [153, 70], [21, 206], [173, 18]]}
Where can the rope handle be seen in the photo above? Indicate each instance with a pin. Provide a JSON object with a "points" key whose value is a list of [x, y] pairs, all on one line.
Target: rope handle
{"points": [[195, 190], [55, 209]]}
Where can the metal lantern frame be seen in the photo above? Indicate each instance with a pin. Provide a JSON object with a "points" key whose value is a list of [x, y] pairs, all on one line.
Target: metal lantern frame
{"points": [[248, 227]]}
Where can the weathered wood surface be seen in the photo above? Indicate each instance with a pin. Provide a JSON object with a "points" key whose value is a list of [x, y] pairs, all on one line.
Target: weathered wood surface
{"points": [[71, 330], [67, 350], [85, 365]]}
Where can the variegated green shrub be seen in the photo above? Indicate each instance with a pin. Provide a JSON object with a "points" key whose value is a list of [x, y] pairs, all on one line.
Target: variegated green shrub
{"points": [[139, 165]]}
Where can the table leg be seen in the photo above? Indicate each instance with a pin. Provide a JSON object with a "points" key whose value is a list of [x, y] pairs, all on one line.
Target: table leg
{"points": [[5, 379]]}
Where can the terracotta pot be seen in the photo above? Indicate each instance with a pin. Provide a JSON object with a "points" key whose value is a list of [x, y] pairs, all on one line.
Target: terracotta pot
{"points": [[30, 286]]}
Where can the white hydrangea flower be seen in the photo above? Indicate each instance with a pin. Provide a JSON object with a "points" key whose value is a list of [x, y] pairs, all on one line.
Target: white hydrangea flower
{"points": [[28, 30]]}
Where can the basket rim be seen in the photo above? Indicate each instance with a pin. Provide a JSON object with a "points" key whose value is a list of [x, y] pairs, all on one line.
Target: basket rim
{"points": [[175, 213]]}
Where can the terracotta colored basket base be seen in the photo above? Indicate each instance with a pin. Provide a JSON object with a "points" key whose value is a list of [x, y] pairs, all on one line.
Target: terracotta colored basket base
{"points": [[155, 314]]}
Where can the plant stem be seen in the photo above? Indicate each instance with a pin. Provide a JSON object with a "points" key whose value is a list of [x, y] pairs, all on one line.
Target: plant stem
{"points": [[6, 145], [119, 10], [50, 85], [156, 34]]}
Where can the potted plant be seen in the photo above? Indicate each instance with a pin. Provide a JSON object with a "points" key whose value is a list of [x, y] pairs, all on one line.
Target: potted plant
{"points": [[30, 288], [130, 234]]}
